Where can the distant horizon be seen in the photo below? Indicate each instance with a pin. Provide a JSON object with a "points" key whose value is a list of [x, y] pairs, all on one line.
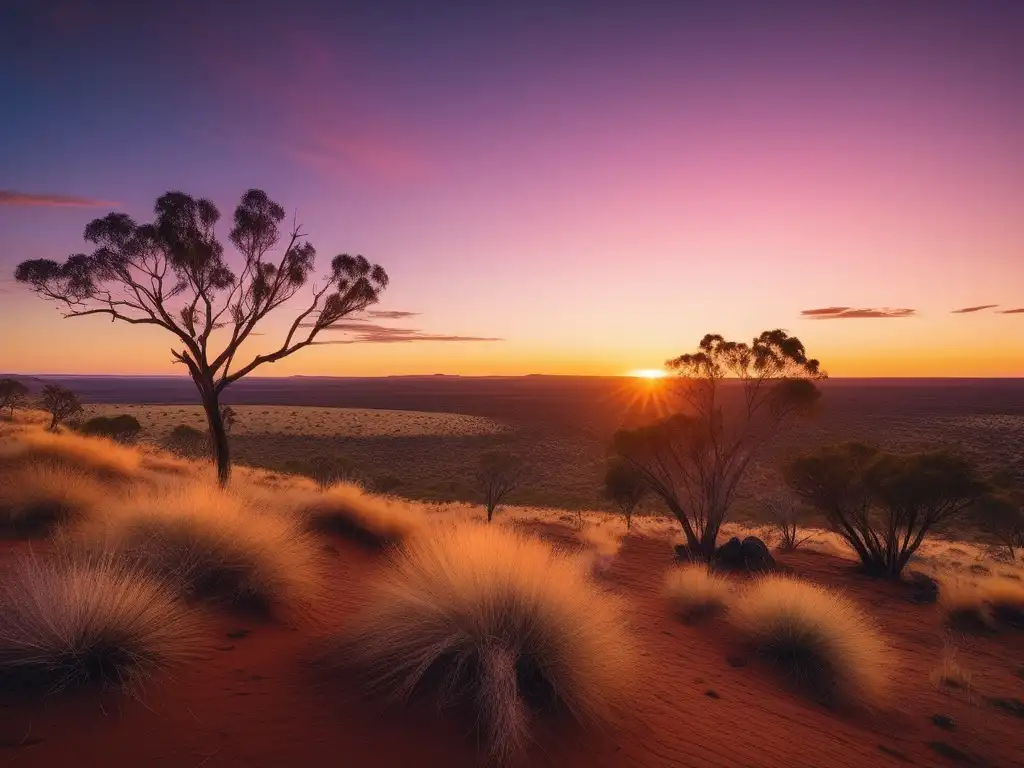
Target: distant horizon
{"points": [[473, 376]]}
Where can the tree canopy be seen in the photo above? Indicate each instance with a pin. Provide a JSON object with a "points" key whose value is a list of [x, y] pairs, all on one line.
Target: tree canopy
{"points": [[734, 399], [884, 504], [173, 273]]}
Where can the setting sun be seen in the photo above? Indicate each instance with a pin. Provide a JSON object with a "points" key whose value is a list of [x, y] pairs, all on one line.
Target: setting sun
{"points": [[648, 373]]}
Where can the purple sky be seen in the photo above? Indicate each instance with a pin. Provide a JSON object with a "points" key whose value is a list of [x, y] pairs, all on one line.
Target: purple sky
{"points": [[597, 187]]}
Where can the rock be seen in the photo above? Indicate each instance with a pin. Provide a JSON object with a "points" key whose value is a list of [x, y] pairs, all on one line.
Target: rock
{"points": [[755, 555], [923, 588], [730, 554]]}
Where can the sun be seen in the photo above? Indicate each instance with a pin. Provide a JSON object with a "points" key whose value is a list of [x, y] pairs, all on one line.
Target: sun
{"points": [[648, 373]]}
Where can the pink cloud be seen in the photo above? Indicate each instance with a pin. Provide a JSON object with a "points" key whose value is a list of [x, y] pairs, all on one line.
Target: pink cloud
{"points": [[12, 197], [848, 313], [979, 308]]}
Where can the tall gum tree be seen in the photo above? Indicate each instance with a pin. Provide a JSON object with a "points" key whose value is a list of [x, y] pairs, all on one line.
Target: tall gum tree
{"points": [[172, 273]]}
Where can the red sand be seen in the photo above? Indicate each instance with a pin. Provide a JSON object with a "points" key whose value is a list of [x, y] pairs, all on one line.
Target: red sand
{"points": [[256, 701]]}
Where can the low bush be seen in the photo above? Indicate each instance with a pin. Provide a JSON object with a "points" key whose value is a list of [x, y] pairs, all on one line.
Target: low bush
{"points": [[209, 545], [34, 499], [69, 620], [695, 592], [498, 620], [825, 640], [121, 429], [347, 510]]}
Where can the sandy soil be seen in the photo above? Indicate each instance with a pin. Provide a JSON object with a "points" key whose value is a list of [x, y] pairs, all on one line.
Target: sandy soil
{"points": [[255, 700]]}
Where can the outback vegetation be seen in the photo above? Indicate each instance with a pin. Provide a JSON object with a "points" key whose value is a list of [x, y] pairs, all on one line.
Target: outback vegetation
{"points": [[497, 475], [737, 397], [13, 395], [885, 504], [60, 403], [172, 274]]}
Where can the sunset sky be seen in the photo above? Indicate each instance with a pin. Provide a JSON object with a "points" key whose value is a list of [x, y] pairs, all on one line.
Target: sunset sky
{"points": [[583, 190]]}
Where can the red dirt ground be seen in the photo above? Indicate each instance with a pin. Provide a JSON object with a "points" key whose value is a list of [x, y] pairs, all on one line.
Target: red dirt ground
{"points": [[704, 700]]}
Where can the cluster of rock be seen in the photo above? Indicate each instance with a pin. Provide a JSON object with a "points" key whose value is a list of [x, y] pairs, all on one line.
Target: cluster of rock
{"points": [[750, 554]]}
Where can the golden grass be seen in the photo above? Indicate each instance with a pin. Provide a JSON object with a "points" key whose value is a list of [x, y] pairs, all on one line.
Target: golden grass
{"points": [[695, 592], [826, 641], [982, 603], [73, 620], [486, 615], [93, 455], [348, 510], [209, 545], [35, 498]]}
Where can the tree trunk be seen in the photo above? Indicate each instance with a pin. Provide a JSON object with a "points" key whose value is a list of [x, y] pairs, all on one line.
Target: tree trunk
{"points": [[490, 512], [53, 420], [218, 435]]}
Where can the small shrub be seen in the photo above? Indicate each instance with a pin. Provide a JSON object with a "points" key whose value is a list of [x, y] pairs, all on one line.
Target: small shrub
{"points": [[122, 429], [96, 456], [823, 637], [347, 510], [71, 620], [787, 518], [207, 544], [695, 591], [483, 614], [188, 442], [34, 499]]}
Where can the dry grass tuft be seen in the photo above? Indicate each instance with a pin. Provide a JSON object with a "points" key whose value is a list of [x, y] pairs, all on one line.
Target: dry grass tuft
{"points": [[93, 455], [983, 603], [35, 499], [825, 639], [374, 520], [493, 618], [71, 620], [695, 592], [210, 546]]}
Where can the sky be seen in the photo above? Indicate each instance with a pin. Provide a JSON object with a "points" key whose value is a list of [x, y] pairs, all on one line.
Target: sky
{"points": [[552, 189]]}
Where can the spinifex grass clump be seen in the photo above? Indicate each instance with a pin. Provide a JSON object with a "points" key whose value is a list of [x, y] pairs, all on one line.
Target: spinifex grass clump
{"points": [[485, 615], [72, 619], [824, 639]]}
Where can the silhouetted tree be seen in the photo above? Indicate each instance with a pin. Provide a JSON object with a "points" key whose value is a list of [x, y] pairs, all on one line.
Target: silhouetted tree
{"points": [[173, 274], [736, 397], [884, 504], [625, 485], [787, 517], [1001, 514], [496, 476], [12, 394], [122, 428], [60, 403]]}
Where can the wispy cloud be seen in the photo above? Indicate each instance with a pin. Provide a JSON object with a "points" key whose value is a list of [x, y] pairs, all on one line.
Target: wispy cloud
{"points": [[979, 308], [13, 197], [851, 313], [1017, 311], [371, 333], [390, 314]]}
